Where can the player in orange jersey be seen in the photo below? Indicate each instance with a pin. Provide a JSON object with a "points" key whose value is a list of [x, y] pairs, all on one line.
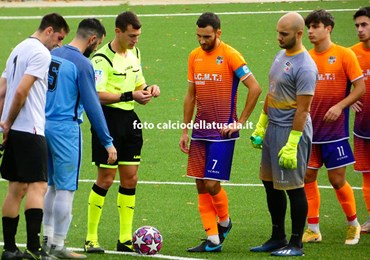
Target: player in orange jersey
{"points": [[338, 71], [214, 72], [361, 129]]}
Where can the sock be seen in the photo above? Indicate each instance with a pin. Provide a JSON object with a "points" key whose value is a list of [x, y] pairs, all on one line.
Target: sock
{"points": [[207, 214], [48, 235], [47, 219], [346, 199], [221, 205], [33, 227], [126, 207], [313, 200], [298, 214], [314, 227], [353, 222], [366, 190], [94, 210], [10, 226], [277, 203], [215, 239], [62, 216], [225, 223]]}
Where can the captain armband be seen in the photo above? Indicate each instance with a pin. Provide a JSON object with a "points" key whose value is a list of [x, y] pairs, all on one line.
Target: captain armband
{"points": [[243, 72], [127, 96]]}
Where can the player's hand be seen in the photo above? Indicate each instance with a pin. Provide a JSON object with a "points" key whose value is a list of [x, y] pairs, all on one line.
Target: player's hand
{"points": [[231, 128], [184, 143], [142, 96], [2, 148], [154, 90], [333, 113], [288, 154], [112, 154], [5, 129], [260, 131], [357, 106]]}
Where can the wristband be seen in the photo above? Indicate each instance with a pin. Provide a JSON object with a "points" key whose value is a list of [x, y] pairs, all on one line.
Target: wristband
{"points": [[146, 88], [127, 96], [294, 137], [263, 119]]}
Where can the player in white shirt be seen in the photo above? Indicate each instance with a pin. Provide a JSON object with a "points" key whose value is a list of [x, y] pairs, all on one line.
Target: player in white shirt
{"points": [[23, 86]]}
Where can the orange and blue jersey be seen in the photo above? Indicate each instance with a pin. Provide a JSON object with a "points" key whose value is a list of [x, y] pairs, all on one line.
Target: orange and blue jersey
{"points": [[362, 119], [216, 77], [338, 67]]}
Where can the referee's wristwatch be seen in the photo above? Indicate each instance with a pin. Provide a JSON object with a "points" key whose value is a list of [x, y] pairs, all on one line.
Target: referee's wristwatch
{"points": [[126, 96]]}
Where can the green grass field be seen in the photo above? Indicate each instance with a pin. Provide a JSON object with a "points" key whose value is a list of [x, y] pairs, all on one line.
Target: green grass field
{"points": [[167, 199]]}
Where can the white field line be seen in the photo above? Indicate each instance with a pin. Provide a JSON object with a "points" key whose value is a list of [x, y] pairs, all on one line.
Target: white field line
{"points": [[124, 253], [166, 15], [223, 184], [168, 183], [192, 183]]}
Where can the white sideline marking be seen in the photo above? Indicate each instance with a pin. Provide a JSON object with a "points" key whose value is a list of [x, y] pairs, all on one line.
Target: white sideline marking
{"points": [[124, 253], [192, 183], [223, 184], [175, 14]]}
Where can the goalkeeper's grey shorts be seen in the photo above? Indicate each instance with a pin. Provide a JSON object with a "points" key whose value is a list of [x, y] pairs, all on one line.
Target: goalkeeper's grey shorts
{"points": [[276, 137]]}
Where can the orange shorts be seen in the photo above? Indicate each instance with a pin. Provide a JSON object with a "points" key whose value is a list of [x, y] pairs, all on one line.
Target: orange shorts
{"points": [[362, 155]]}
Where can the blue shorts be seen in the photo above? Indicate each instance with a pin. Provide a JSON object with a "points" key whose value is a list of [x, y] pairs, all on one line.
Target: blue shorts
{"points": [[64, 154], [333, 155], [210, 160]]}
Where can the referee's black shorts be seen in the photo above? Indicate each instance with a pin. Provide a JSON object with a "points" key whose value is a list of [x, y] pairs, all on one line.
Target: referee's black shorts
{"points": [[25, 158], [127, 139]]}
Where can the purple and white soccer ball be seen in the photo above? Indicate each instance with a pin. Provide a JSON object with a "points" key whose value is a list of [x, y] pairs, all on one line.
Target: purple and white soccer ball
{"points": [[147, 240]]}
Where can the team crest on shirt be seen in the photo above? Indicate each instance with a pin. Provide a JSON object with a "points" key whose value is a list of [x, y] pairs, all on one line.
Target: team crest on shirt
{"points": [[287, 66], [332, 59], [219, 60]]}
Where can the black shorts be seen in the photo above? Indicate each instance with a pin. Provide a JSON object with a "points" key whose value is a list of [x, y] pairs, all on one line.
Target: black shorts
{"points": [[25, 158], [127, 139]]}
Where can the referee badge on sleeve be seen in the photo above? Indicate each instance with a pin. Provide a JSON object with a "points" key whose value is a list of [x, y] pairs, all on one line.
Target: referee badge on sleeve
{"points": [[98, 76]]}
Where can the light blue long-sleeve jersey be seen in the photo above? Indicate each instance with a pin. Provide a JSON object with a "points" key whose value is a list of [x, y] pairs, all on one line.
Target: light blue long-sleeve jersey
{"points": [[71, 90]]}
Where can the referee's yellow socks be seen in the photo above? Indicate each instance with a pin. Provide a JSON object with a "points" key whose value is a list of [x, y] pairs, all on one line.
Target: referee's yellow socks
{"points": [[94, 210], [126, 207]]}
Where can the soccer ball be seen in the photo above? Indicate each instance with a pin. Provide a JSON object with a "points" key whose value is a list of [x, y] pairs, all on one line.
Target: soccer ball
{"points": [[147, 240]]}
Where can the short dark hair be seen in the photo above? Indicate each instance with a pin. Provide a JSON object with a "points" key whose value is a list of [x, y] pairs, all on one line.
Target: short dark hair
{"points": [[125, 19], [56, 21], [320, 16], [365, 11], [89, 27], [209, 19]]}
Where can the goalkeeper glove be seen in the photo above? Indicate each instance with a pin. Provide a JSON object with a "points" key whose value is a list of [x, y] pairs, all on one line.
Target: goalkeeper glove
{"points": [[259, 133], [288, 154]]}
